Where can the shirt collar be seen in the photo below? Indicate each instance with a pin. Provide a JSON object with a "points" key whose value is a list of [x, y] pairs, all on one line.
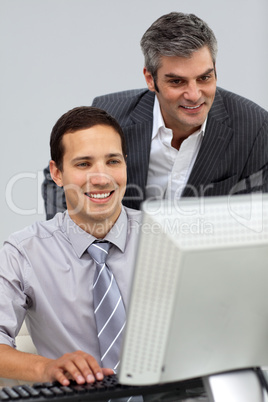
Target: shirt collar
{"points": [[158, 121], [81, 240]]}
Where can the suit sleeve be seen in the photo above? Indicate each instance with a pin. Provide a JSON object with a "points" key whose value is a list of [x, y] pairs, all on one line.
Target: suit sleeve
{"points": [[258, 163]]}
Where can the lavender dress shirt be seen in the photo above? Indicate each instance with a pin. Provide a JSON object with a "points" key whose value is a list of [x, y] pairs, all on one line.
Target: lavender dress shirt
{"points": [[46, 277]]}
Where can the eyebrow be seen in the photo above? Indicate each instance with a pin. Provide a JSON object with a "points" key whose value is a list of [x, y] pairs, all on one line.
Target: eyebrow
{"points": [[171, 75], [90, 158]]}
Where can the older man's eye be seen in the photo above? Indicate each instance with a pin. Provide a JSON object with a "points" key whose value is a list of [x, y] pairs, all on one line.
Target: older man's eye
{"points": [[176, 81], [205, 78]]}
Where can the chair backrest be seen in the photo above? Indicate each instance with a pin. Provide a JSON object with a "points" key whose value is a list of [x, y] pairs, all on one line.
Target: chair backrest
{"points": [[24, 341]]}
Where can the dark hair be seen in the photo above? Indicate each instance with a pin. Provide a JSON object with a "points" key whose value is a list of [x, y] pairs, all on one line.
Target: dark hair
{"points": [[176, 34], [76, 119]]}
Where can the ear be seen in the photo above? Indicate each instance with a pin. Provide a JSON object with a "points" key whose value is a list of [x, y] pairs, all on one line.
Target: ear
{"points": [[56, 174], [149, 79]]}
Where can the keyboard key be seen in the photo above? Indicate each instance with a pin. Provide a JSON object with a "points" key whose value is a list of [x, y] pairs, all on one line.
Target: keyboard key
{"points": [[4, 396], [21, 391], [67, 390], [32, 391], [11, 393], [79, 389], [56, 391], [46, 392]]}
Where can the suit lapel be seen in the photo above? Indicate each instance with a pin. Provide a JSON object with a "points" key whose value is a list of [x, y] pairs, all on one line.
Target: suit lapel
{"points": [[143, 111], [216, 139]]}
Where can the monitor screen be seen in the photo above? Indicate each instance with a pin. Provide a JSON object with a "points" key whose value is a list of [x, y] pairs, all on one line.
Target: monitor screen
{"points": [[198, 302]]}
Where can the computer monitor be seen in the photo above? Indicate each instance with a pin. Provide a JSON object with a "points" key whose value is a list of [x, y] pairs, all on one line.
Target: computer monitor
{"points": [[199, 297]]}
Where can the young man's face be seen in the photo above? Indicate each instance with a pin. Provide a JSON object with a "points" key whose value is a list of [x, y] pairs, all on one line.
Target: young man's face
{"points": [[187, 89], [93, 176]]}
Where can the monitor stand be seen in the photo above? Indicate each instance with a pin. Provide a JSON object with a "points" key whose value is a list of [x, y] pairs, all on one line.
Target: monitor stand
{"points": [[237, 386]]}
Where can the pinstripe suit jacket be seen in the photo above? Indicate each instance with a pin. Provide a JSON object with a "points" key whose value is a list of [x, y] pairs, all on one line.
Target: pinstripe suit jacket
{"points": [[233, 157]]}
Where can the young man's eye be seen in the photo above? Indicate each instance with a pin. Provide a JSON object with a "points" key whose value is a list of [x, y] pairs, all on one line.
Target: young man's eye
{"points": [[114, 161], [83, 164]]}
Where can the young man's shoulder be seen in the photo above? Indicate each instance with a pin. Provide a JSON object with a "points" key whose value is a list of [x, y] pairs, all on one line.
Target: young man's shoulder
{"points": [[38, 230], [133, 214]]}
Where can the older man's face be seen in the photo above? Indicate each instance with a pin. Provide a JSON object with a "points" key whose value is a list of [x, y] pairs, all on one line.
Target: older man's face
{"points": [[187, 89]]}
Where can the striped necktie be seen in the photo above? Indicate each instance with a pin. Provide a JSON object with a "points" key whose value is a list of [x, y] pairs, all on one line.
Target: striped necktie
{"points": [[109, 309]]}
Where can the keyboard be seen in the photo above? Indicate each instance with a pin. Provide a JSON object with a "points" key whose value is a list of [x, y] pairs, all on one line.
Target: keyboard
{"points": [[103, 390]]}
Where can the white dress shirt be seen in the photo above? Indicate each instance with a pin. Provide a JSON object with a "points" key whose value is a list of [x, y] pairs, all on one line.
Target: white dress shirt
{"points": [[46, 275], [169, 168]]}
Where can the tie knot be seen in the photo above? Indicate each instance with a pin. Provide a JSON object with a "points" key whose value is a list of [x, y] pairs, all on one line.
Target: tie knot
{"points": [[99, 251]]}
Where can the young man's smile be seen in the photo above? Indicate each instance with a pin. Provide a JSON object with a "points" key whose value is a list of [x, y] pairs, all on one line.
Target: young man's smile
{"points": [[100, 196]]}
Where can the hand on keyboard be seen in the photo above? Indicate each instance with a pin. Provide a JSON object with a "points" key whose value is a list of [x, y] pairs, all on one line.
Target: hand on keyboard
{"points": [[78, 366]]}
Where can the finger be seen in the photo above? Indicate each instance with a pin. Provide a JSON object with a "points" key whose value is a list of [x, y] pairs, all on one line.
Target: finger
{"points": [[95, 369], [74, 368], [107, 371], [61, 377], [84, 368]]}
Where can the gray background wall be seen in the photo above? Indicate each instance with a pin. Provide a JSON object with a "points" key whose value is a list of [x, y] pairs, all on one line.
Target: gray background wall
{"points": [[58, 54]]}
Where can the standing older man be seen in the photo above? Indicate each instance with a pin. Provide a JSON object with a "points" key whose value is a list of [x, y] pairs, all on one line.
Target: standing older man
{"points": [[185, 136]]}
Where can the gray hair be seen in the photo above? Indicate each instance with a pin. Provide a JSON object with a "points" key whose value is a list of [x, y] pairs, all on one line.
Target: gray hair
{"points": [[176, 34]]}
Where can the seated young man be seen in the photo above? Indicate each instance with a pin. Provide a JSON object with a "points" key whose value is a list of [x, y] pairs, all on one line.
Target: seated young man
{"points": [[47, 270]]}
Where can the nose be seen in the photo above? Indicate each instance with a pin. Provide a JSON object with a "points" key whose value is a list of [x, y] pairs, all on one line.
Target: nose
{"points": [[99, 177], [192, 92]]}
